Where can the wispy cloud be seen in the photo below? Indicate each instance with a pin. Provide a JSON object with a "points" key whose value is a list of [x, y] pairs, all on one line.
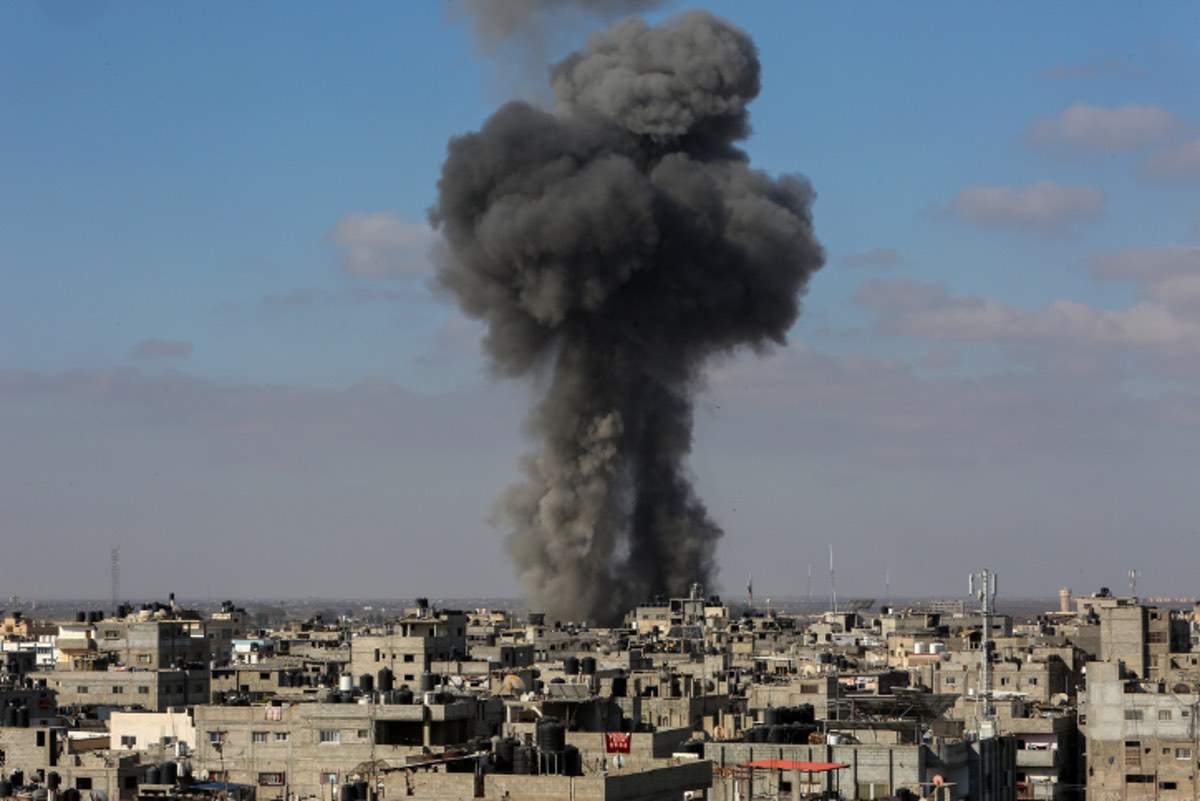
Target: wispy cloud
{"points": [[872, 259], [383, 245], [1046, 206], [1177, 162], [932, 311], [155, 348], [1170, 273], [1095, 129]]}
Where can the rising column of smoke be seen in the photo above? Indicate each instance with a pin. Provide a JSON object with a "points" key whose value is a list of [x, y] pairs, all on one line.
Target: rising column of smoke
{"points": [[613, 247]]}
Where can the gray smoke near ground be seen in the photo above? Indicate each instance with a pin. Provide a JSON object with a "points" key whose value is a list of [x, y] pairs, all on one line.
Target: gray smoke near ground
{"points": [[613, 247]]}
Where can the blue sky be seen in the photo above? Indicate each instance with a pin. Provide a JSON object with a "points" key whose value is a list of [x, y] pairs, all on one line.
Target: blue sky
{"points": [[219, 348]]}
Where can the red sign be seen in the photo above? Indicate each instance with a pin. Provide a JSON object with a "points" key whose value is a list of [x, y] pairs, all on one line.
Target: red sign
{"points": [[617, 742]]}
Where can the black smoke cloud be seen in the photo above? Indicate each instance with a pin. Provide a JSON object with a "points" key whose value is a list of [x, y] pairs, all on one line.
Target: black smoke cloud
{"points": [[613, 247]]}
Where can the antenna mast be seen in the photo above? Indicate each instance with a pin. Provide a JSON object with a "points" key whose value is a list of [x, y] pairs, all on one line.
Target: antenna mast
{"points": [[832, 583], [116, 577], [986, 593]]}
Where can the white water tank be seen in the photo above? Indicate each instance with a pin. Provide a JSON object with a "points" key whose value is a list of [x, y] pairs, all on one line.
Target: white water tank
{"points": [[919, 647], [345, 682]]}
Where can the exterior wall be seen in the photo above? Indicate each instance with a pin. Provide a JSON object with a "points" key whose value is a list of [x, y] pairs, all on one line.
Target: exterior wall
{"points": [[138, 730], [150, 644], [305, 742], [1141, 739], [154, 690], [409, 646]]}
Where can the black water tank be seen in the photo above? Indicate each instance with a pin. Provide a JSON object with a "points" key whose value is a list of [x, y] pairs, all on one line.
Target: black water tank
{"points": [[770, 716], [22, 717], [571, 666], [153, 775], [523, 758], [349, 793], [70, 794], [551, 735], [385, 679], [81, 617], [366, 683], [404, 695], [588, 664], [17, 777], [360, 791], [620, 686], [10, 716], [6, 788], [505, 749], [169, 771], [572, 761], [427, 682]]}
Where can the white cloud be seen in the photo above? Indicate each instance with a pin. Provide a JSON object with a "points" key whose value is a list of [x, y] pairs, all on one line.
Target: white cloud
{"points": [[933, 312], [1177, 162], [1105, 130], [1171, 273], [1147, 263], [1044, 206], [383, 245]]}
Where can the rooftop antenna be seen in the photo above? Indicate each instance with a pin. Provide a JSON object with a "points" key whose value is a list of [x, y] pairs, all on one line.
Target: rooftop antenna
{"points": [[887, 584], [810, 582], [832, 584], [1133, 577], [116, 577]]}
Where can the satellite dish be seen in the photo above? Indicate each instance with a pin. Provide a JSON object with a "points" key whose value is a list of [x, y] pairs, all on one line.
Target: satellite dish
{"points": [[618, 761]]}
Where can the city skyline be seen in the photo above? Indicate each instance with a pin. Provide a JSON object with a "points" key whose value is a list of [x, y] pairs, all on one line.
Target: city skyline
{"points": [[220, 348]]}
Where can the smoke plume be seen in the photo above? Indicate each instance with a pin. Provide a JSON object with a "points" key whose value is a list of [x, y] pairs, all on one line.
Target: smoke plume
{"points": [[613, 246]]}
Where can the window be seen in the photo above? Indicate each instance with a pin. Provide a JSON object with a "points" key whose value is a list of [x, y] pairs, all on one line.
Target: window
{"points": [[332, 736], [1183, 753], [82, 689], [408, 657], [128, 740], [1164, 714], [1133, 714], [1033, 681], [363, 734], [215, 737], [264, 675], [281, 736], [112, 634], [258, 736], [83, 783], [950, 681], [144, 659], [118, 689], [1005, 681], [1166, 785], [143, 689]]}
